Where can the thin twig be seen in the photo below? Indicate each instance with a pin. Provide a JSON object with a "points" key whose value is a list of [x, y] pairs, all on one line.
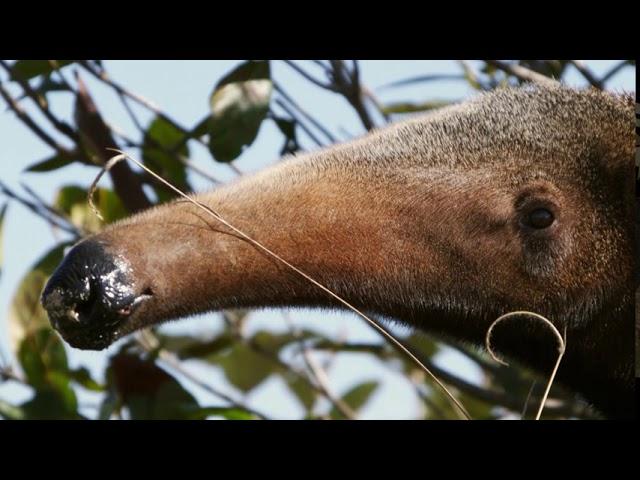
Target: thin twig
{"points": [[350, 89], [42, 105], [520, 72], [587, 74], [305, 114], [607, 76], [326, 86], [318, 372], [104, 77], [316, 387], [33, 126], [54, 211], [46, 215], [304, 128], [54, 64], [526, 400]]}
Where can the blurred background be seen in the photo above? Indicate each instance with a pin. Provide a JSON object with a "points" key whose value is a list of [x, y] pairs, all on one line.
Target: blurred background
{"points": [[58, 117]]}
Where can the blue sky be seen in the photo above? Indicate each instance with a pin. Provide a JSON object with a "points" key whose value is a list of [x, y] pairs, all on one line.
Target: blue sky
{"points": [[182, 89]]}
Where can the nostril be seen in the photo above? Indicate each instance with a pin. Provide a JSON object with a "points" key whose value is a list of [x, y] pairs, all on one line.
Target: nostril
{"points": [[86, 306]]}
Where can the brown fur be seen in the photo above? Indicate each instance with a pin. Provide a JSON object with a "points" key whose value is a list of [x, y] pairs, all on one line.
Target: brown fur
{"points": [[420, 222]]}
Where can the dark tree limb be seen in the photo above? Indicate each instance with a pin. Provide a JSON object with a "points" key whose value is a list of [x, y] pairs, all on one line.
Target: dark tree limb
{"points": [[96, 136], [520, 72], [33, 126]]}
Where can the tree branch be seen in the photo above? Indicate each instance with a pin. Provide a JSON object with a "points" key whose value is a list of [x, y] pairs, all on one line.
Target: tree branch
{"points": [[611, 73], [32, 125], [306, 115], [587, 74], [47, 214], [326, 86], [350, 89], [41, 103], [520, 72]]}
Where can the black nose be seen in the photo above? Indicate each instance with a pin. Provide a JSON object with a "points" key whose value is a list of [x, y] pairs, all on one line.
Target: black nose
{"points": [[89, 293]]}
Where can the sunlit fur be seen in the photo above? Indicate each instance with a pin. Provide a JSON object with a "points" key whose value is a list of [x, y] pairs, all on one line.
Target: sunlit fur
{"points": [[421, 221]]}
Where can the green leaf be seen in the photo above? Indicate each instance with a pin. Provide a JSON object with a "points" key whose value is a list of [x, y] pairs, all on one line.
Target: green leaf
{"points": [[11, 412], [52, 404], [244, 368], [229, 413], [147, 391], [42, 357], [357, 397], [199, 349], [405, 107], [3, 210], [302, 391], [82, 377], [51, 163], [28, 69], [44, 362], [288, 129], [72, 200], [201, 128], [26, 315], [110, 404], [239, 103], [160, 139]]}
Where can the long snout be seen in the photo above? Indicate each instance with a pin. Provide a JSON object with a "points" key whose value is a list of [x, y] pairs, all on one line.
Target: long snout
{"points": [[89, 295]]}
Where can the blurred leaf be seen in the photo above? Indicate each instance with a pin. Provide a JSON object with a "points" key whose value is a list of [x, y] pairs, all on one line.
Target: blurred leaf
{"points": [[51, 163], [199, 349], [52, 404], [424, 345], [357, 397], [73, 201], [244, 368], [28, 69], [44, 362], [3, 210], [201, 129], [302, 391], [288, 129], [161, 138], [230, 413], [42, 354], [26, 315], [11, 412], [239, 104], [82, 377], [404, 107], [110, 404], [148, 391], [478, 409]]}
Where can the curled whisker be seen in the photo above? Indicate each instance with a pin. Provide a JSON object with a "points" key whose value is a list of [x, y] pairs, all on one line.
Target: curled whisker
{"points": [[562, 342]]}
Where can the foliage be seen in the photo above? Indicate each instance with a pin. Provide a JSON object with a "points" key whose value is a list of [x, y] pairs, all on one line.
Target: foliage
{"points": [[148, 378]]}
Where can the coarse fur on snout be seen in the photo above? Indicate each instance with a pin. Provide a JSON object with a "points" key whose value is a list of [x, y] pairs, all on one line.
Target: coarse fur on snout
{"points": [[427, 221]]}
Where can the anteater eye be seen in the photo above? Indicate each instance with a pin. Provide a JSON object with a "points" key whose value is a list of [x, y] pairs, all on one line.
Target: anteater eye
{"points": [[539, 218]]}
